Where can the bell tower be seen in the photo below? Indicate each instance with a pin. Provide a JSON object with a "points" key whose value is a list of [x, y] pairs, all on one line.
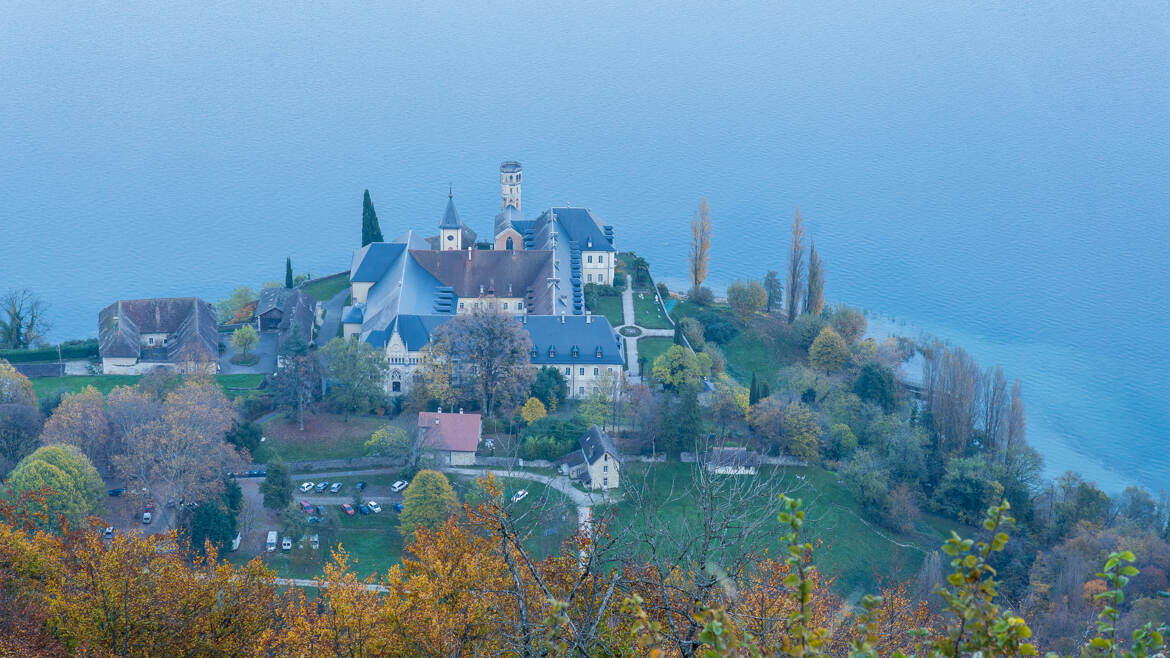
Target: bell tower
{"points": [[510, 173], [451, 227]]}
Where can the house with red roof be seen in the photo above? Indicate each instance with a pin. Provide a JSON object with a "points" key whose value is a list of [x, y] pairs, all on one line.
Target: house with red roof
{"points": [[451, 438]]}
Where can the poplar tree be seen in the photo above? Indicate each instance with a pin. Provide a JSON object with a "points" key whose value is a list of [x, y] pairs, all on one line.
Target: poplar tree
{"points": [[371, 232], [754, 391], [288, 276], [814, 301], [795, 268], [774, 288], [700, 244]]}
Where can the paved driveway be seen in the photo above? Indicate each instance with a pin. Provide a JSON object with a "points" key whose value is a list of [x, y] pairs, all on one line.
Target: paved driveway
{"points": [[332, 322], [265, 349]]}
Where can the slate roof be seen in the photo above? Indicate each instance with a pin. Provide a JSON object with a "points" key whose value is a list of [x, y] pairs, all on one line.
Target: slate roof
{"points": [[547, 331], [575, 225], [499, 273], [189, 320], [272, 299], [732, 458], [511, 216], [595, 443], [457, 432], [416, 330], [401, 287], [371, 262], [450, 215]]}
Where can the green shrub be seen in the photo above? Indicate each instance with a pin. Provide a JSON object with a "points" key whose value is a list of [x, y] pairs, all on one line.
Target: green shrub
{"points": [[70, 349]]}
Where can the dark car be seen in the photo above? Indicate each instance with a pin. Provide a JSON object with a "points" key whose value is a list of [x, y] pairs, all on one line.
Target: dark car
{"points": [[320, 510], [322, 486], [256, 473], [360, 485], [314, 519], [363, 509], [116, 492]]}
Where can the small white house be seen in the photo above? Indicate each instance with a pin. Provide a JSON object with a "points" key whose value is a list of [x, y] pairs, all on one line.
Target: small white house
{"points": [[597, 464]]}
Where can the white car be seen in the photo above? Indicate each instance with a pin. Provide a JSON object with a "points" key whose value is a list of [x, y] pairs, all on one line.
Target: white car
{"points": [[286, 544], [398, 486], [519, 495], [147, 517], [335, 488], [306, 487], [374, 506]]}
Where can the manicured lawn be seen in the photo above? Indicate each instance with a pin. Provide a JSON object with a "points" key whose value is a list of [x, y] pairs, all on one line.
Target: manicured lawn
{"points": [[611, 308], [324, 289], [106, 383], [647, 312], [652, 348], [763, 347], [326, 436], [855, 551]]}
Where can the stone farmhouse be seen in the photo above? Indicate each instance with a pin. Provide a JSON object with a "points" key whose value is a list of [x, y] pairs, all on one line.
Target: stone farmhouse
{"points": [[597, 464], [536, 271], [138, 335]]}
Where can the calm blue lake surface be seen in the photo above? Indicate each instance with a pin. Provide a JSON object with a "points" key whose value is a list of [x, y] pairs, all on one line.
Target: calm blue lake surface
{"points": [[997, 174]]}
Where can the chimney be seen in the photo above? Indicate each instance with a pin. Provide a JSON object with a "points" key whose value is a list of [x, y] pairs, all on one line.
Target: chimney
{"points": [[469, 254], [562, 317], [460, 409], [588, 317]]}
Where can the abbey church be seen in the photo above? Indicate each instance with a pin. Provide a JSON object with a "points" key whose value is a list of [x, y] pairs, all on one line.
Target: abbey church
{"points": [[534, 270]]}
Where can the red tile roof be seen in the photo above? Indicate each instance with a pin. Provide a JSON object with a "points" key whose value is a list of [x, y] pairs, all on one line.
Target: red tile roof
{"points": [[459, 432]]}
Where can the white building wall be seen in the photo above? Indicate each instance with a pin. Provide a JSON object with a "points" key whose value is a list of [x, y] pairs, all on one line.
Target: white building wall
{"points": [[360, 291], [600, 270], [605, 474]]}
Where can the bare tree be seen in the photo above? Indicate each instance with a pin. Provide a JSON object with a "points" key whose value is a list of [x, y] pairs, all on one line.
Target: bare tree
{"points": [[996, 407], [1017, 424], [678, 564], [22, 320], [795, 268], [700, 244], [486, 354]]}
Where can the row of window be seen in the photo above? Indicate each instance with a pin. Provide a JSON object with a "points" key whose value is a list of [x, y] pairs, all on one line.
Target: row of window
{"points": [[600, 278], [600, 258], [518, 307], [596, 371]]}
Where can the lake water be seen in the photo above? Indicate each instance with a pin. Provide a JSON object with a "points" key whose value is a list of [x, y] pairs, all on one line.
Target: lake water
{"points": [[992, 173]]}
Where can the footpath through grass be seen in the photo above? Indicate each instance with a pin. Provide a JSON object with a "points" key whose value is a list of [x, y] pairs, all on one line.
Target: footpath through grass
{"points": [[853, 550]]}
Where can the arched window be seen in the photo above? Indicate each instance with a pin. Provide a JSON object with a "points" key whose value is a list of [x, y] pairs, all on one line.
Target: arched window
{"points": [[509, 245]]}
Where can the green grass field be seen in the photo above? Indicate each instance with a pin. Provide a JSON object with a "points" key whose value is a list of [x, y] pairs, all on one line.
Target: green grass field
{"points": [[324, 289], [652, 348], [648, 314], [326, 436], [611, 308], [753, 349], [856, 552], [106, 383]]}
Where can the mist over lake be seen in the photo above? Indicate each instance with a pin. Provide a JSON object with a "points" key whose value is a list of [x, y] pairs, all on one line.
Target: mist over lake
{"points": [[994, 174]]}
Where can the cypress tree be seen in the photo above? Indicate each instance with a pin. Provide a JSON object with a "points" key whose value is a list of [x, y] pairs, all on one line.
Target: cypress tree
{"points": [[678, 334], [765, 390], [371, 232], [288, 277], [754, 391]]}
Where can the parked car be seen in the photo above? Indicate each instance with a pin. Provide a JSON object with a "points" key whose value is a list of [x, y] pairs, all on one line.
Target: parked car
{"points": [[116, 492], [108, 532], [399, 486], [148, 506], [519, 495], [286, 543], [397, 507], [306, 506], [315, 541], [322, 486], [306, 487], [270, 545], [335, 487], [347, 508], [314, 519], [236, 543], [364, 510], [147, 517], [360, 485], [320, 510], [374, 506]]}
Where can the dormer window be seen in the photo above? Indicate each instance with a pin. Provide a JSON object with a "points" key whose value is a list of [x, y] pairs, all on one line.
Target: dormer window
{"points": [[534, 353], [576, 352], [597, 353], [552, 352]]}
